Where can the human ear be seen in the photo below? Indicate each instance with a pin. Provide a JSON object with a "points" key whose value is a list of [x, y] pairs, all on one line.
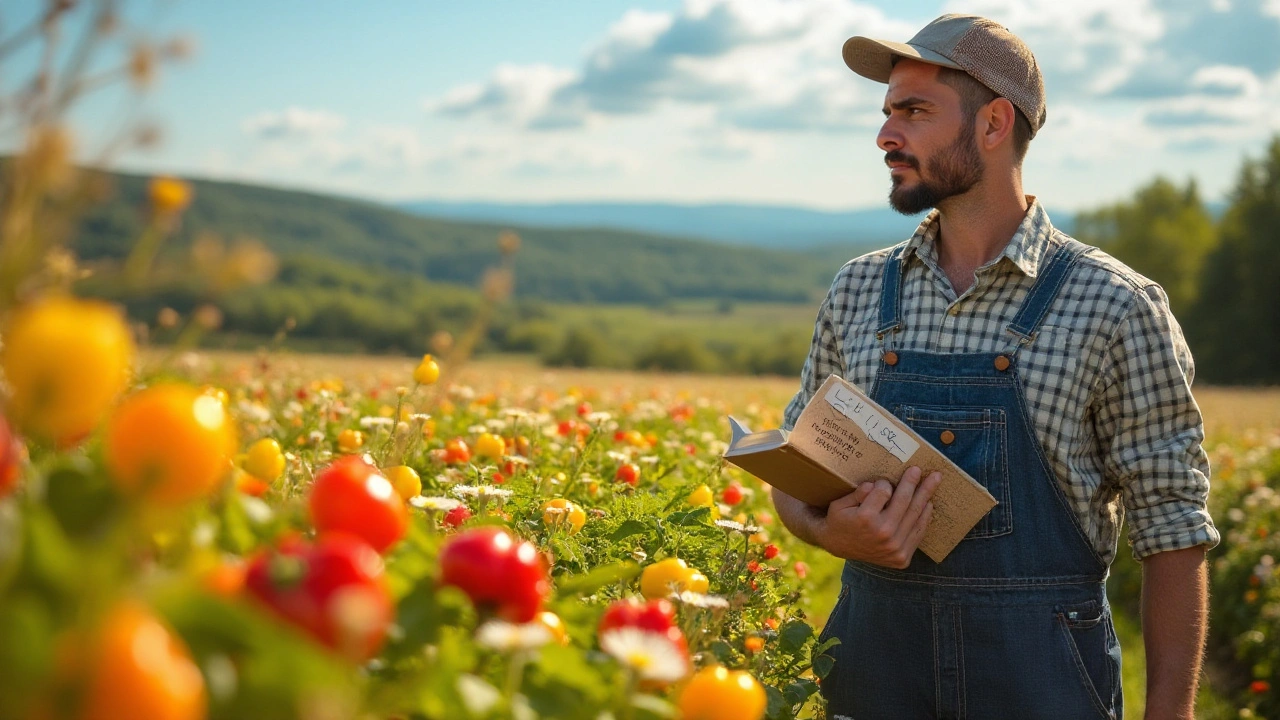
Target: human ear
{"points": [[995, 122]]}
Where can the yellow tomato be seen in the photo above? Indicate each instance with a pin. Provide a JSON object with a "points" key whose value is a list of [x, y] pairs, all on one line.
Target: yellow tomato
{"points": [[169, 443], [405, 480], [702, 497], [559, 510], [490, 446], [350, 440], [697, 582], [264, 460], [717, 693], [427, 371], [554, 625], [139, 669], [659, 579], [66, 362]]}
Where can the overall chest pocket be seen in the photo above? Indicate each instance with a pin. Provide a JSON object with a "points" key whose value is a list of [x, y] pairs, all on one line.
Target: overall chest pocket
{"points": [[975, 439]]}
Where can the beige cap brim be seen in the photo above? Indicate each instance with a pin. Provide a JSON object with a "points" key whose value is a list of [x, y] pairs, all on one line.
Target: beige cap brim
{"points": [[874, 58]]}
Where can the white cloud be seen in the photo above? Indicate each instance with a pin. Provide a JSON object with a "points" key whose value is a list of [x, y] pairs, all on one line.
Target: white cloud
{"points": [[1226, 80], [293, 122], [764, 64]]}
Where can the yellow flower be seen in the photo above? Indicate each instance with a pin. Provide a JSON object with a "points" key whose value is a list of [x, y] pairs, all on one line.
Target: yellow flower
{"points": [[169, 195]]}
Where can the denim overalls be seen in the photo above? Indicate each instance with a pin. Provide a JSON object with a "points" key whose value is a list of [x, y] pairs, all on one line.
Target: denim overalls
{"points": [[1014, 623]]}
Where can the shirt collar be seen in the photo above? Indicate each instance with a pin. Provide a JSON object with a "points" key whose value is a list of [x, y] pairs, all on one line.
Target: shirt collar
{"points": [[1025, 249]]}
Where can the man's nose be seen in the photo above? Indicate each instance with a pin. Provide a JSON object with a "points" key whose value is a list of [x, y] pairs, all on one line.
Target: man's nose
{"points": [[889, 139]]}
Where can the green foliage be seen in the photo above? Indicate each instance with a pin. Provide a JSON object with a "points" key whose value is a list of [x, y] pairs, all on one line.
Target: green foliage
{"points": [[1235, 328], [564, 265], [1165, 232]]}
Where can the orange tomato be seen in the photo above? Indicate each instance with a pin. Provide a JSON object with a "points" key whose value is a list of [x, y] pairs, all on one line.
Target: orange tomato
{"points": [[350, 440], [169, 444], [139, 669], [456, 451], [66, 362], [717, 693]]}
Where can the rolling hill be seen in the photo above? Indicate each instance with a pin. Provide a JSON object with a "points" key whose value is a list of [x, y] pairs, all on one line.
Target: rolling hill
{"points": [[554, 264]]}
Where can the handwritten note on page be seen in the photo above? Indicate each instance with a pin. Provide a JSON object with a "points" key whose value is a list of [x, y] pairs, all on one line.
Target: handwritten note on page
{"points": [[880, 430]]}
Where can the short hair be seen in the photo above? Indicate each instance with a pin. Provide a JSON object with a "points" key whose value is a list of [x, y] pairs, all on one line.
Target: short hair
{"points": [[974, 95]]}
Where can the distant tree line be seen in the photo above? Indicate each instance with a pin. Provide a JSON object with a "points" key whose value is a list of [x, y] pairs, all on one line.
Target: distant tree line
{"points": [[1220, 276]]}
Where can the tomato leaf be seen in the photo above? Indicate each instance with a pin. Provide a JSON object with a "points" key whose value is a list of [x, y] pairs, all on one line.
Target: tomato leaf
{"points": [[793, 635], [690, 518], [822, 665], [627, 529], [598, 578], [777, 709]]}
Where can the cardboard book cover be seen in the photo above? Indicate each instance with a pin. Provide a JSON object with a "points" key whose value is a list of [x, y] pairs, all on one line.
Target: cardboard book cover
{"points": [[842, 439]]}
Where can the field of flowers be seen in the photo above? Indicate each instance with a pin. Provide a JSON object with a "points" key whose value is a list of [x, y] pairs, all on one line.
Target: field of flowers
{"points": [[270, 544], [257, 537]]}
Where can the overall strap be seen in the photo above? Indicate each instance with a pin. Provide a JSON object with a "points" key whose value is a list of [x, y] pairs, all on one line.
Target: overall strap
{"points": [[890, 294], [1042, 294]]}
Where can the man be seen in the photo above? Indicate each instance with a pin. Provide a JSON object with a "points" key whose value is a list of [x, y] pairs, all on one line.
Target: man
{"points": [[1049, 371]]}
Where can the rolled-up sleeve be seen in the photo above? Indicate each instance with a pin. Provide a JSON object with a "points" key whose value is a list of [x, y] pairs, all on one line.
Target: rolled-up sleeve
{"points": [[1151, 430], [823, 361]]}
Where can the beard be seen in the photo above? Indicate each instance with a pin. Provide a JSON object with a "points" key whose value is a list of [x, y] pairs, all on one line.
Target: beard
{"points": [[953, 171]]}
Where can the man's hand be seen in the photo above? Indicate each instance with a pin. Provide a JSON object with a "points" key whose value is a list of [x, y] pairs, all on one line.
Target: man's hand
{"points": [[878, 523]]}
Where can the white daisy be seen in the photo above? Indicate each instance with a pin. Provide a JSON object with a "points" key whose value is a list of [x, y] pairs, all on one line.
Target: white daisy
{"points": [[734, 526], [700, 600], [650, 655], [370, 421], [441, 504], [505, 636]]}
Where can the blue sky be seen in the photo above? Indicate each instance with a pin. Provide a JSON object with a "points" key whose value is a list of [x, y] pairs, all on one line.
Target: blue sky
{"points": [[680, 100]]}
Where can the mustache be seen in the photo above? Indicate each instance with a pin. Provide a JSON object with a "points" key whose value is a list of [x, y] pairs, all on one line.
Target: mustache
{"points": [[897, 156]]}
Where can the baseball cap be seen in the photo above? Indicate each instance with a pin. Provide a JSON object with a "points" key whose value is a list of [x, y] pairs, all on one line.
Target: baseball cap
{"points": [[980, 47]]}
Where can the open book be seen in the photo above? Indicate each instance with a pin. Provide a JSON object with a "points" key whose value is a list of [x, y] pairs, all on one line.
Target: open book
{"points": [[842, 439]]}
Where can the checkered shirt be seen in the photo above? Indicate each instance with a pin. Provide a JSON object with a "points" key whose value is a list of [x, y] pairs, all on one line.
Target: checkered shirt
{"points": [[1107, 379]]}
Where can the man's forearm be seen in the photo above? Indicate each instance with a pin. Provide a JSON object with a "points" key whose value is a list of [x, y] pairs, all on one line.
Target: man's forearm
{"points": [[799, 517], [1174, 617]]}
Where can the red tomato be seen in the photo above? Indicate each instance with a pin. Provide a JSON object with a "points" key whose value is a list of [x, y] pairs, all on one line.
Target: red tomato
{"points": [[499, 572], [334, 590], [456, 451], [457, 516], [10, 458], [732, 495], [349, 496], [654, 615], [628, 473]]}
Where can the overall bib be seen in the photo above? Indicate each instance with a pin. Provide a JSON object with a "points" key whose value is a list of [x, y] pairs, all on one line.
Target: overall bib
{"points": [[1014, 623]]}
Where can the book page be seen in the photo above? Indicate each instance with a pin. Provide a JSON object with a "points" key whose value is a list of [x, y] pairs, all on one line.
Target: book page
{"points": [[878, 428]]}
